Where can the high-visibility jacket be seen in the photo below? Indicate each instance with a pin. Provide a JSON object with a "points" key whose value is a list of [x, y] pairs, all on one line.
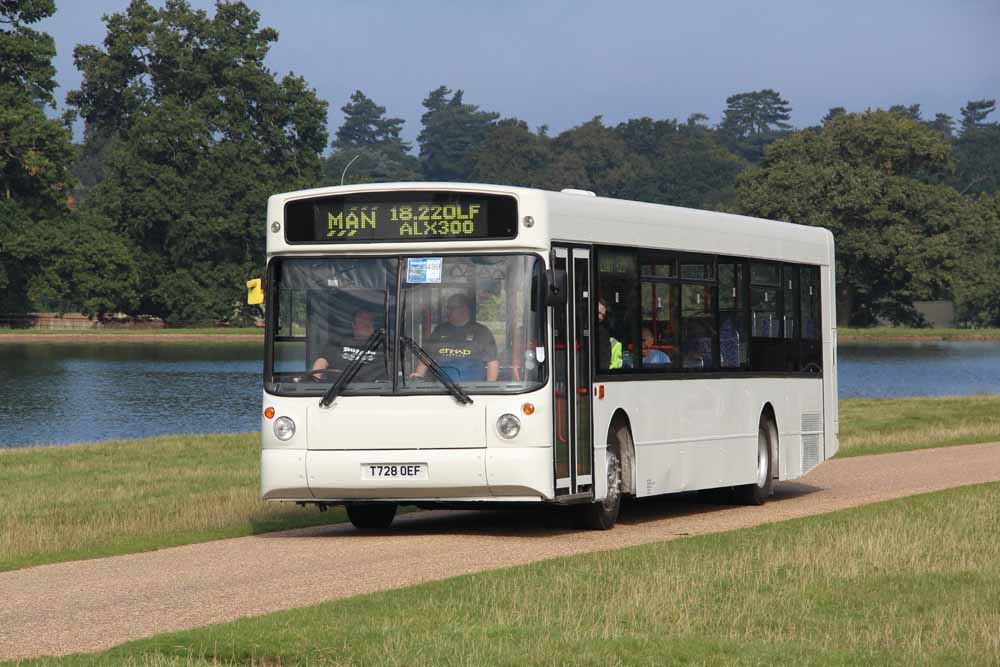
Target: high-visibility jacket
{"points": [[616, 353]]}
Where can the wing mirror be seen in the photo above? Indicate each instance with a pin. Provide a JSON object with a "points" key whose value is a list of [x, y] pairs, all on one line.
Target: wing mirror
{"points": [[555, 287]]}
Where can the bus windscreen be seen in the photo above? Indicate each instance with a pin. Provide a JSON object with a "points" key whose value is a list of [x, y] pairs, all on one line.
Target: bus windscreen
{"points": [[400, 217]]}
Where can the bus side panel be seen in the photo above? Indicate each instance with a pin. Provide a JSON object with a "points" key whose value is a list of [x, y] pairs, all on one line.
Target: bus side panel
{"points": [[695, 434], [799, 413]]}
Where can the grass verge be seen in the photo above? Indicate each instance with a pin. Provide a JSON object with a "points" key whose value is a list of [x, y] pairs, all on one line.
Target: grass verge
{"points": [[125, 496], [872, 334], [910, 581], [885, 425], [88, 501]]}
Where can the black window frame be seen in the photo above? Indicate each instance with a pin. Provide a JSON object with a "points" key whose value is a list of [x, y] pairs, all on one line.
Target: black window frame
{"points": [[786, 350]]}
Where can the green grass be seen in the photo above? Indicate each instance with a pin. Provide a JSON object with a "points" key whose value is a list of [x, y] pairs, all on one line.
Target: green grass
{"points": [[875, 333], [911, 581], [87, 501], [884, 425], [194, 331]]}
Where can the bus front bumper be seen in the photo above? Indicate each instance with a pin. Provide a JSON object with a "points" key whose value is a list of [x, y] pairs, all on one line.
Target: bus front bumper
{"points": [[484, 474]]}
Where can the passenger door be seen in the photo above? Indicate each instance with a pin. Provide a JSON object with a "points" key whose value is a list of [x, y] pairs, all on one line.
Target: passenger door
{"points": [[571, 326]]}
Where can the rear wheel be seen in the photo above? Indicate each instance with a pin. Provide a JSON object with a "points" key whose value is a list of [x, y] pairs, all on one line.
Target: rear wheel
{"points": [[763, 486], [368, 516]]}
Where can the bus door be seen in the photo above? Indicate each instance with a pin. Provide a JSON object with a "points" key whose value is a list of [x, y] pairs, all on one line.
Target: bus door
{"points": [[571, 324]]}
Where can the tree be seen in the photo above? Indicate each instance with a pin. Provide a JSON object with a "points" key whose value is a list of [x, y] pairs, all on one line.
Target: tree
{"points": [[512, 155], [977, 160], [202, 133], [977, 150], [594, 157], [944, 124], [753, 120], [758, 112], [34, 150], [372, 142], [975, 112], [686, 163], [898, 238], [37, 228], [80, 265], [833, 113], [976, 282], [912, 111], [452, 134]]}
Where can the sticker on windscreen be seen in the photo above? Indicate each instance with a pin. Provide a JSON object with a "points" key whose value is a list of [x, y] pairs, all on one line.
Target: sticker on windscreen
{"points": [[424, 270]]}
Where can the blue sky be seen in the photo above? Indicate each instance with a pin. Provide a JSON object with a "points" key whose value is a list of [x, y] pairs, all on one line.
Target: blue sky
{"points": [[561, 63]]}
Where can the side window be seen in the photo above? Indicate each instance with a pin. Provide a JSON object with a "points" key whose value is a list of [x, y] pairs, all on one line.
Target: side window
{"points": [[811, 349], [734, 339], [698, 326], [767, 346], [617, 330], [790, 315], [659, 334], [764, 280], [790, 302], [660, 306]]}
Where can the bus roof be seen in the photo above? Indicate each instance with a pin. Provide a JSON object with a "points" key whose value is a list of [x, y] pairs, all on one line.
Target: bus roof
{"points": [[580, 217]]}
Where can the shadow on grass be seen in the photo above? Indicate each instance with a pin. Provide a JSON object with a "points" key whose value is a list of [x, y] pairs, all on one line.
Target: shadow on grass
{"points": [[307, 517]]}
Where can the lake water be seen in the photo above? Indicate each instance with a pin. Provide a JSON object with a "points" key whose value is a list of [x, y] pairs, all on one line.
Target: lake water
{"points": [[58, 393]]}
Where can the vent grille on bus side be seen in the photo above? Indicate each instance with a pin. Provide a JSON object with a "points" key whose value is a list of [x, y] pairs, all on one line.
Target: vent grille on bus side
{"points": [[812, 422], [812, 435]]}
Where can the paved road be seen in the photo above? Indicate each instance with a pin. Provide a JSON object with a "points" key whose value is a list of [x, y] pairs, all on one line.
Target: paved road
{"points": [[96, 604]]}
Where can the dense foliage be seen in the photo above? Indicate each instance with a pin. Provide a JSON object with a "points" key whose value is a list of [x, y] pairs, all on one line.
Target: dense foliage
{"points": [[201, 134], [158, 210]]}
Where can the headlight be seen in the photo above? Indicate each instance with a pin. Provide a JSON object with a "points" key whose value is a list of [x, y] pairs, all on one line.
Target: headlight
{"points": [[508, 426], [284, 428]]}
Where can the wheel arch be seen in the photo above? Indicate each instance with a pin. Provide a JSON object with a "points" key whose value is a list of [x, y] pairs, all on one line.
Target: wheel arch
{"points": [[618, 421]]}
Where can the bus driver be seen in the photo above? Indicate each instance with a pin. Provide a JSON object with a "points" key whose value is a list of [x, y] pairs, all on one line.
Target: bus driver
{"points": [[465, 349]]}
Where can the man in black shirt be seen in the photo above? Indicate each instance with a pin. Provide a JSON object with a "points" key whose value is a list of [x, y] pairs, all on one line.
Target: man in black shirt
{"points": [[466, 350], [338, 356]]}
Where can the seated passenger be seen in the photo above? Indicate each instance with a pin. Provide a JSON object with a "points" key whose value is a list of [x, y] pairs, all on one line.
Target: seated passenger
{"points": [[337, 356], [652, 357]]}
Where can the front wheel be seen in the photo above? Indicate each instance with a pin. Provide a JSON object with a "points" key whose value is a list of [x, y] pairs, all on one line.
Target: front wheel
{"points": [[604, 514], [366, 516], [762, 487]]}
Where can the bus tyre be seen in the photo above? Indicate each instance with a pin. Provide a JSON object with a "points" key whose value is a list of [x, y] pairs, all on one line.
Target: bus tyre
{"points": [[762, 488], [602, 515], [371, 516]]}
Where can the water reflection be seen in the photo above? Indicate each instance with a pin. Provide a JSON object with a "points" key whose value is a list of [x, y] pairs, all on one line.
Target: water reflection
{"points": [[57, 393], [891, 370]]}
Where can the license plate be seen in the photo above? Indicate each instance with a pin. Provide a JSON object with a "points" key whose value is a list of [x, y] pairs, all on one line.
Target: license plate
{"points": [[393, 471]]}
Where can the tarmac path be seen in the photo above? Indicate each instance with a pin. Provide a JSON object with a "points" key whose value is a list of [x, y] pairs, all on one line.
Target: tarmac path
{"points": [[95, 604]]}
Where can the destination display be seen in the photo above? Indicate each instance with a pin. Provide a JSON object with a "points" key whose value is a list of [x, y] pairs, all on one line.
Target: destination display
{"points": [[400, 217]]}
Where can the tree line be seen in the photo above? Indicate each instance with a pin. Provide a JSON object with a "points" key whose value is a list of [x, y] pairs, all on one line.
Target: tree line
{"points": [[158, 210]]}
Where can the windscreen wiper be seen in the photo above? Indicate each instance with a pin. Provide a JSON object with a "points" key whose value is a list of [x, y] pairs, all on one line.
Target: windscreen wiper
{"points": [[352, 368], [449, 384]]}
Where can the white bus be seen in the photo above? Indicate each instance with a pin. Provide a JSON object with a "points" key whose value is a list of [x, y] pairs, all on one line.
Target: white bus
{"points": [[445, 344]]}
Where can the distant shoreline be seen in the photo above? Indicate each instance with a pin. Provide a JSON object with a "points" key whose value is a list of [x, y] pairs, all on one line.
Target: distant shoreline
{"points": [[130, 336], [905, 335]]}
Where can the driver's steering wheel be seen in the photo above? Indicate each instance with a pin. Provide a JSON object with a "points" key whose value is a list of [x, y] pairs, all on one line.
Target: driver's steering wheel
{"points": [[316, 374]]}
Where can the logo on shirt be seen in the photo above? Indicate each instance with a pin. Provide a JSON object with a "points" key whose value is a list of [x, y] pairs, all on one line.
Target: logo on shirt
{"points": [[454, 352], [352, 353]]}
